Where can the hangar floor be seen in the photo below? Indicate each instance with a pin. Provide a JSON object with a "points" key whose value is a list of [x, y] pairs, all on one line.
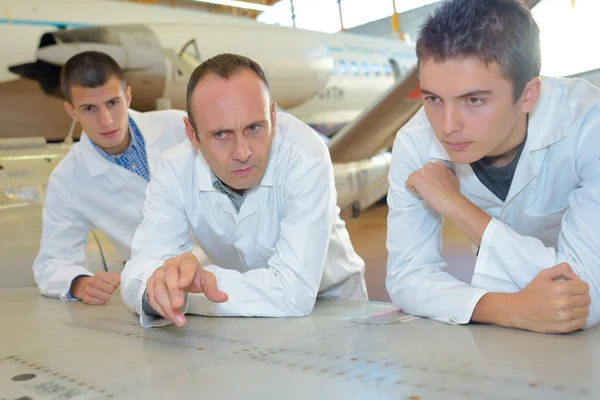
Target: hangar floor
{"points": [[368, 234]]}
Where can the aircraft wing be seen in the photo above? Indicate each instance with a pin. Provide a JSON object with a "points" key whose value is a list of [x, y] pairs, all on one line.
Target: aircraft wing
{"points": [[374, 129]]}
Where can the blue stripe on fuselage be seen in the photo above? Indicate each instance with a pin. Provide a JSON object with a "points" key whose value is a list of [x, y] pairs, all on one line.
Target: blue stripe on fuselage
{"points": [[56, 24]]}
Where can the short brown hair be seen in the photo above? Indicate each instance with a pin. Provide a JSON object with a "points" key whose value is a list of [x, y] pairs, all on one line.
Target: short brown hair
{"points": [[224, 66], [89, 69], [500, 31]]}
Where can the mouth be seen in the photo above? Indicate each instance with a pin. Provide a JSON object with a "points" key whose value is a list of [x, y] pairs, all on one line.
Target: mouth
{"points": [[458, 145], [110, 134], [243, 171]]}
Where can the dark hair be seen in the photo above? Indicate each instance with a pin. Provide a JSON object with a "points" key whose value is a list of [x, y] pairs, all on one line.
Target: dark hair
{"points": [[501, 31], [224, 66], [89, 69]]}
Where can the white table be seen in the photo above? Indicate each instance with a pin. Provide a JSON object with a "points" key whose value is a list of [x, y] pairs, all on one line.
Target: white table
{"points": [[55, 350]]}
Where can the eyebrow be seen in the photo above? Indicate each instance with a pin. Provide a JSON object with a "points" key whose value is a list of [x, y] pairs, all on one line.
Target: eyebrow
{"points": [[225, 130], [474, 93], [93, 105]]}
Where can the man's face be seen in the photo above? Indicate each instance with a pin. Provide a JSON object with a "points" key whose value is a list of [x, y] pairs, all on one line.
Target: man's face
{"points": [[235, 124], [471, 108], [102, 113]]}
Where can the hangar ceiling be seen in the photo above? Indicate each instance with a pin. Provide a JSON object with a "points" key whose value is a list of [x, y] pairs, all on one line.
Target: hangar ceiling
{"points": [[214, 8]]}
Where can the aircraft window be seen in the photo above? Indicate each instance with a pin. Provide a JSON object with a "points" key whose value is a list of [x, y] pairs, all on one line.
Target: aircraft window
{"points": [[342, 67], [354, 68], [387, 70], [375, 68], [365, 68]]}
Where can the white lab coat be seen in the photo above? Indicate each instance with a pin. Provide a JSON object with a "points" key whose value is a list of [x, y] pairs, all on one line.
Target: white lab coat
{"points": [[86, 191], [551, 214], [286, 246]]}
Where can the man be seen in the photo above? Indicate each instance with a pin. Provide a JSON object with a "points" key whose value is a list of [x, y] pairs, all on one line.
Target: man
{"points": [[101, 182], [256, 186], [512, 160]]}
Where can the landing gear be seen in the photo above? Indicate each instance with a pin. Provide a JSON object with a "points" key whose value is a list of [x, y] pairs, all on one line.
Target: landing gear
{"points": [[355, 209]]}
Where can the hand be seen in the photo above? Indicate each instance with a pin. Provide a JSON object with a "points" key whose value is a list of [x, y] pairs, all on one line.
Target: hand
{"points": [[96, 289], [555, 301], [166, 287], [437, 185]]}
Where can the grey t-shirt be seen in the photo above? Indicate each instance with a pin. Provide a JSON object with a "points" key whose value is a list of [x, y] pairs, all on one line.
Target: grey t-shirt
{"points": [[497, 179]]}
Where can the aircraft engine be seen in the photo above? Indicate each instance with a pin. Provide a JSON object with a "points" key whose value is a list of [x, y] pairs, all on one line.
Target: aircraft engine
{"points": [[134, 47]]}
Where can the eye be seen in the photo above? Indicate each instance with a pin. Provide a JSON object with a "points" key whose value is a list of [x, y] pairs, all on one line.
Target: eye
{"points": [[432, 99], [112, 102], [474, 101], [88, 108], [220, 135], [254, 128]]}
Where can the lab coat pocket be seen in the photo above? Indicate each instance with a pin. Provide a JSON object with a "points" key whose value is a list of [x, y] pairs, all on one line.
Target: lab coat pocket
{"points": [[544, 225]]}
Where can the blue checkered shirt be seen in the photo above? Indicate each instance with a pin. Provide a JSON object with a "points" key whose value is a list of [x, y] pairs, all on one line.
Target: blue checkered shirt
{"points": [[134, 159]]}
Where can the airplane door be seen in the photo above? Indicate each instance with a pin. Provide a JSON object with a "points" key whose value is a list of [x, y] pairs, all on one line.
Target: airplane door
{"points": [[395, 69], [189, 52]]}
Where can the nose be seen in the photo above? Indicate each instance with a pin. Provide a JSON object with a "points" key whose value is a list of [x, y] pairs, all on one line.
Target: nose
{"points": [[105, 117], [241, 151], [451, 120]]}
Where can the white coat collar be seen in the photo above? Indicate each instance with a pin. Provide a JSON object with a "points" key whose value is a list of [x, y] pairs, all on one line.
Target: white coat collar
{"points": [[203, 178], [98, 165], [547, 122]]}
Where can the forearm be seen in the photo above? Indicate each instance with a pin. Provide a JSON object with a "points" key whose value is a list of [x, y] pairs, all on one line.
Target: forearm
{"points": [[512, 257], [469, 218], [258, 293], [55, 277], [495, 308]]}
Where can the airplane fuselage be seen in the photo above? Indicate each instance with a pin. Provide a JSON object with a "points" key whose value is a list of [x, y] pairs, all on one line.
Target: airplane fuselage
{"points": [[324, 79]]}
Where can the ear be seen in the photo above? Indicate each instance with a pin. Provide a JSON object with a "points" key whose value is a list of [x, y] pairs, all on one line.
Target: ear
{"points": [[273, 115], [531, 94], [128, 96], [70, 110], [191, 133]]}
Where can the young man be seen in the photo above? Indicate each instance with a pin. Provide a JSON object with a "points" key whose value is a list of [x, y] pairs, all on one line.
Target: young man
{"points": [[101, 183], [513, 160], [256, 186]]}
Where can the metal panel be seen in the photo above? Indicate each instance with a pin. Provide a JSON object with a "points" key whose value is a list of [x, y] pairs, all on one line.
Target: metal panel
{"points": [[52, 350]]}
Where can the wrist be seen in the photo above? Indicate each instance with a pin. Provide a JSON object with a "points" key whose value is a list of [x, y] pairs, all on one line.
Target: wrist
{"points": [[469, 218], [497, 308], [78, 286], [457, 207]]}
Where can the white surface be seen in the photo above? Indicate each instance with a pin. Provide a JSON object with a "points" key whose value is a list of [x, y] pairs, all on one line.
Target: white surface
{"points": [[79, 351]]}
